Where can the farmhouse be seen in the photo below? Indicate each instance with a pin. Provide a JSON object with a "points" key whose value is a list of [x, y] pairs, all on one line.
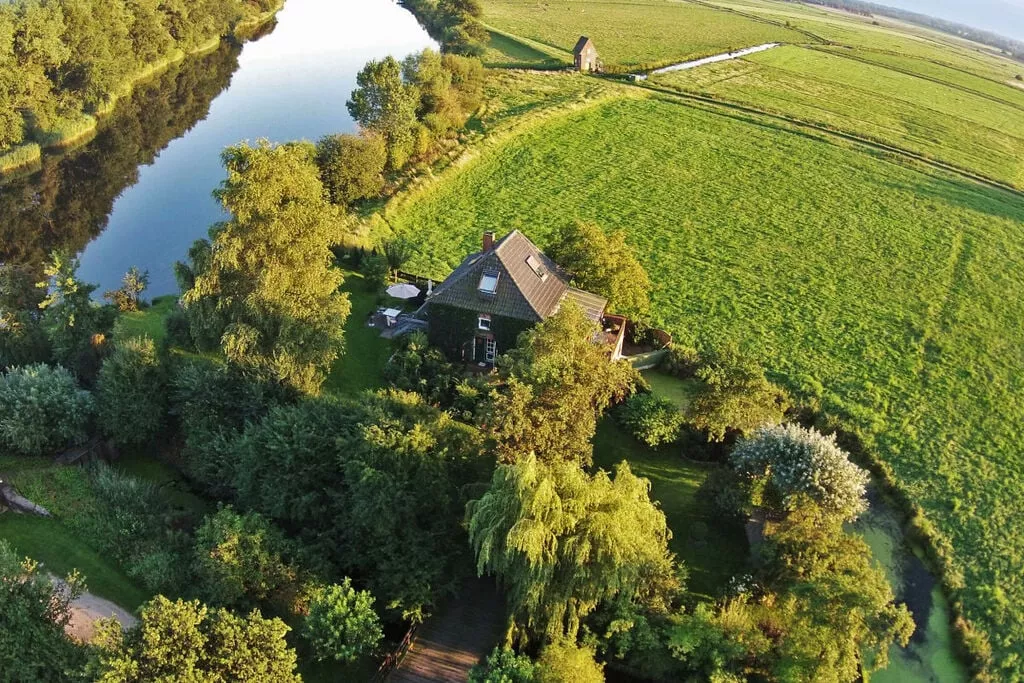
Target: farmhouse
{"points": [[584, 55], [507, 287]]}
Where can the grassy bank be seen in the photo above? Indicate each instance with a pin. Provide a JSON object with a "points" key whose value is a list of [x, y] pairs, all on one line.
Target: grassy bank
{"points": [[889, 297], [20, 157]]}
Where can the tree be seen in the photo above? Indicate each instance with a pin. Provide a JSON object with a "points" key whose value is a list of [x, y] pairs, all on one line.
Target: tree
{"points": [[341, 624], [603, 264], [736, 396], [33, 614], [385, 104], [563, 661], [503, 665], [23, 340], [558, 383], [42, 410], [352, 166], [719, 644], [398, 251], [187, 641], [653, 419], [237, 558], [268, 277], [131, 392], [76, 328], [562, 541], [835, 607], [126, 298], [798, 463]]}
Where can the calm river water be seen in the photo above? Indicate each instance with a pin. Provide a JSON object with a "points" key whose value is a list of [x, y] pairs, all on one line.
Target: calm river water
{"points": [[290, 84]]}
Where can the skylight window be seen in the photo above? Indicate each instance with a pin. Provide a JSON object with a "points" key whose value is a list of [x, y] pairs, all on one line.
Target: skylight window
{"points": [[536, 266], [489, 283]]}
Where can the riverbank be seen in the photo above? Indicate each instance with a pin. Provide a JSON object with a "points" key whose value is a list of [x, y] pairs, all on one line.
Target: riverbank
{"points": [[73, 132]]}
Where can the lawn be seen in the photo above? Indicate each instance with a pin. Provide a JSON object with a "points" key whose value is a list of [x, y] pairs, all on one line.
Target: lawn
{"points": [[637, 35], [714, 550], [680, 392], [969, 129], [149, 322], [890, 297], [361, 367], [60, 550]]}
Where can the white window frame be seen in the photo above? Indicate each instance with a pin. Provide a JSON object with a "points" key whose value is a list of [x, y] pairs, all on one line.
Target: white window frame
{"points": [[481, 319], [490, 350]]}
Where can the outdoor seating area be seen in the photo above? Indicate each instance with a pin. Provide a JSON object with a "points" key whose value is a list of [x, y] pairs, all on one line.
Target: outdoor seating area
{"points": [[393, 322]]}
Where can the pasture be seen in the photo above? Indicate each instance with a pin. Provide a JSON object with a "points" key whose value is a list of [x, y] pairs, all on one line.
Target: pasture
{"points": [[648, 34], [974, 123], [891, 298]]}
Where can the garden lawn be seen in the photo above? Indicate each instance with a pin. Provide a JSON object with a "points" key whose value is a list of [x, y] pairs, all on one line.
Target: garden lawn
{"points": [[966, 128], [637, 35], [679, 391], [713, 549], [361, 367], [890, 297], [149, 322], [49, 542]]}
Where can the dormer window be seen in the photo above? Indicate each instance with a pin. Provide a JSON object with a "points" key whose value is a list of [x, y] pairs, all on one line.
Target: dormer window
{"points": [[483, 321], [536, 266], [488, 283]]}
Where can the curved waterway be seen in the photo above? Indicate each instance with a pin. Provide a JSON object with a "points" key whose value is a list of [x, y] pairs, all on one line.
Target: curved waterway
{"points": [[139, 194]]}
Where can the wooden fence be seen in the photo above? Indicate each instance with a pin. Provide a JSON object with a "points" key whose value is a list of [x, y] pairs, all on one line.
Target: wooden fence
{"points": [[394, 658]]}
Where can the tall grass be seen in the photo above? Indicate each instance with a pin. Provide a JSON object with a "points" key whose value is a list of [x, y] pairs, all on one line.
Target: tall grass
{"points": [[890, 298], [19, 157]]}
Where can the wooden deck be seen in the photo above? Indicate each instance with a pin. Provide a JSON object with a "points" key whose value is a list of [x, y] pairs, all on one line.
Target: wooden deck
{"points": [[455, 639]]}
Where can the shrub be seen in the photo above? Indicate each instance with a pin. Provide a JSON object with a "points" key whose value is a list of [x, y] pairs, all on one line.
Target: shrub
{"points": [[342, 624], [563, 661], [375, 268], [681, 361], [418, 367], [352, 166], [803, 462], [652, 419], [504, 666], [179, 332], [131, 394], [42, 409], [237, 558]]}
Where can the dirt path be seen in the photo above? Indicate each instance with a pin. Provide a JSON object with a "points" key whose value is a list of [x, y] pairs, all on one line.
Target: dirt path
{"points": [[89, 608]]}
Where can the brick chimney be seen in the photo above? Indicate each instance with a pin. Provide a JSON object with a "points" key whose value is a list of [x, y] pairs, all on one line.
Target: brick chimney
{"points": [[488, 243]]}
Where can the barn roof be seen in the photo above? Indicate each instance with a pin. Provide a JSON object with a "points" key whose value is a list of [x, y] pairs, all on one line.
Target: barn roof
{"points": [[580, 44], [529, 286]]}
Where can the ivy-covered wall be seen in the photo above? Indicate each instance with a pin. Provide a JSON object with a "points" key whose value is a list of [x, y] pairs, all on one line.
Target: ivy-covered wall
{"points": [[451, 329]]}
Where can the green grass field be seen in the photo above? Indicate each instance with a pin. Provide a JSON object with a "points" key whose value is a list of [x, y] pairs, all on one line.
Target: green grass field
{"points": [[362, 365], [969, 129], [891, 297], [149, 322], [650, 33]]}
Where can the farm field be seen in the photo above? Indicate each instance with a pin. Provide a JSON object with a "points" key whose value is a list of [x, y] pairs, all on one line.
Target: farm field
{"points": [[969, 130], [649, 34], [890, 297]]}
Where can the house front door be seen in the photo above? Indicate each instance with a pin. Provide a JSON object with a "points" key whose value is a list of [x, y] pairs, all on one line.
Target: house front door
{"points": [[492, 350]]}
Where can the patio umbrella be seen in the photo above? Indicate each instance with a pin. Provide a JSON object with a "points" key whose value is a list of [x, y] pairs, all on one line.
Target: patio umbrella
{"points": [[403, 290]]}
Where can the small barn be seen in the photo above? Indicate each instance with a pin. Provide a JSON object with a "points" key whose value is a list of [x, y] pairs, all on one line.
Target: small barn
{"points": [[585, 55]]}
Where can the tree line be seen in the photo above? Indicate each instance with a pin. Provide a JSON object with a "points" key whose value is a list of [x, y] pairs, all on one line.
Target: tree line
{"points": [[455, 24], [60, 59]]}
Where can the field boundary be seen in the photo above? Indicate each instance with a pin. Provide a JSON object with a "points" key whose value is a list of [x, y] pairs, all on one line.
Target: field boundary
{"points": [[835, 133]]}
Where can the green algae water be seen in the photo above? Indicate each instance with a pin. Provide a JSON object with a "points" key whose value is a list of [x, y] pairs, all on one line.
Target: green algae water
{"points": [[930, 656]]}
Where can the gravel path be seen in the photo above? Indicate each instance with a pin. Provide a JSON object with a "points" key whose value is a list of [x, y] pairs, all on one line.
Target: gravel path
{"points": [[89, 608]]}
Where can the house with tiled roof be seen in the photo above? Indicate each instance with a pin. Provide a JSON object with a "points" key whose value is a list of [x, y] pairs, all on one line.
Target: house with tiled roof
{"points": [[584, 55], [510, 285]]}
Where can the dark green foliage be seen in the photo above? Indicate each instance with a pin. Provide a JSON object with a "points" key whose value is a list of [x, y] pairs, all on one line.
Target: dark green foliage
{"points": [[33, 613], [454, 23], [334, 470], [237, 559], [503, 665], [682, 361], [180, 641], [213, 403], [352, 166], [652, 419], [42, 410], [341, 624], [23, 340], [376, 270], [421, 368], [451, 328], [736, 396], [131, 393], [179, 332]]}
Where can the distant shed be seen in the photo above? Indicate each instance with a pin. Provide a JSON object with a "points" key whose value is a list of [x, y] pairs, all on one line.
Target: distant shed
{"points": [[584, 55]]}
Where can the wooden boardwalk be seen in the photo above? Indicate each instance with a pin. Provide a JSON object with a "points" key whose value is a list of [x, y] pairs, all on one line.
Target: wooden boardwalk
{"points": [[459, 636]]}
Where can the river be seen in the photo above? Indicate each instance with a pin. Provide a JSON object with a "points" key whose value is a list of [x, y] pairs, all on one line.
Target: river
{"points": [[139, 194]]}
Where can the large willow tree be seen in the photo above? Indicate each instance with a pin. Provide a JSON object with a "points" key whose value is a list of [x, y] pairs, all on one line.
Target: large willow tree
{"points": [[265, 284], [562, 541]]}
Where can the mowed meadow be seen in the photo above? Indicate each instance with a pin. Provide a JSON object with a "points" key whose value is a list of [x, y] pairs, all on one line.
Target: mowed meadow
{"points": [[648, 34], [891, 297], [955, 117]]}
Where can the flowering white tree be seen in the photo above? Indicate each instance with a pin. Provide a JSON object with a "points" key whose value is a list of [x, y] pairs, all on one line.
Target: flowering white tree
{"points": [[797, 461]]}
